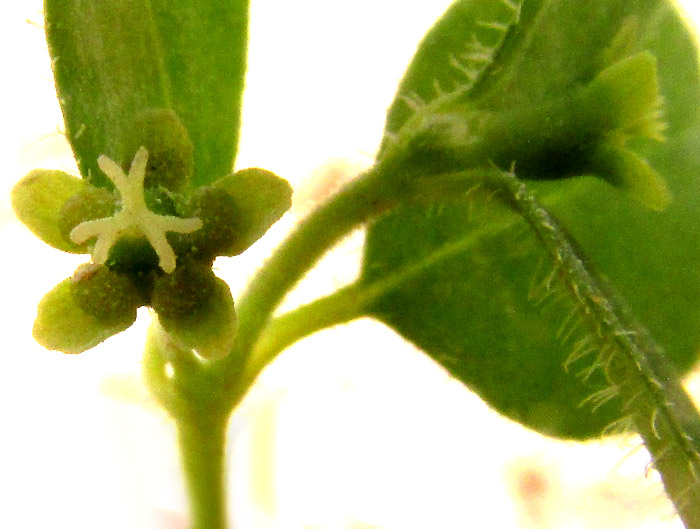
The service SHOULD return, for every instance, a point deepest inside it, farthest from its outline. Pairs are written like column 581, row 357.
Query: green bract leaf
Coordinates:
column 62, row 324
column 209, row 329
column 38, row 200
column 114, row 60
column 480, row 298
column 109, row 66
column 564, row 134
column 260, row 198
column 205, row 45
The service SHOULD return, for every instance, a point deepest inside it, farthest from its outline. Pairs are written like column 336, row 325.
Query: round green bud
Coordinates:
column 104, row 294
column 170, row 150
column 185, row 292
column 89, row 204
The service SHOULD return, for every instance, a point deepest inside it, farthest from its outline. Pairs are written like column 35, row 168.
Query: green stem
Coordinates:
column 217, row 387
column 635, row 366
column 202, row 442
column 342, row 306
column 185, row 388
column 365, row 198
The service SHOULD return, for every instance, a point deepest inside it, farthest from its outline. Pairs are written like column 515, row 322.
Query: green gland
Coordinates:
column 261, row 198
column 201, row 319
column 221, row 226
column 629, row 171
column 62, row 324
column 170, row 150
column 86, row 309
column 38, row 201
column 235, row 211
column 625, row 99
column 109, row 296
column 185, row 292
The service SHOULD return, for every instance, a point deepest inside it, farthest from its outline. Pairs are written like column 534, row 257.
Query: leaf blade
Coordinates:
column 447, row 63
column 472, row 312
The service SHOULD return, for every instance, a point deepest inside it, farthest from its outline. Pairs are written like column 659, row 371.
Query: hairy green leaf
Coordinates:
column 456, row 56
column 485, row 305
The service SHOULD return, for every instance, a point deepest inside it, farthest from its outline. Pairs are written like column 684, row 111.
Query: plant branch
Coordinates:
column 365, row 199
column 353, row 301
column 634, row 364
column 342, row 306
column 155, row 366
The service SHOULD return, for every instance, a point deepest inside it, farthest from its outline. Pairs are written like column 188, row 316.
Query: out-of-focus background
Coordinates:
column 351, row 428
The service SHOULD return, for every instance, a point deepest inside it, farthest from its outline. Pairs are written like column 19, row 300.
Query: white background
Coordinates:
column 351, row 428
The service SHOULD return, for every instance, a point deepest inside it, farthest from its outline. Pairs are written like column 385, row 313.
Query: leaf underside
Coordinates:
column 493, row 313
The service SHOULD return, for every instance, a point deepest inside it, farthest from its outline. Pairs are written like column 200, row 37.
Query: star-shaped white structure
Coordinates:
column 134, row 218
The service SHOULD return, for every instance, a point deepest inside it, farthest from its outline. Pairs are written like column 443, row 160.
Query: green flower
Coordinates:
column 153, row 241
column 134, row 217
column 586, row 131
